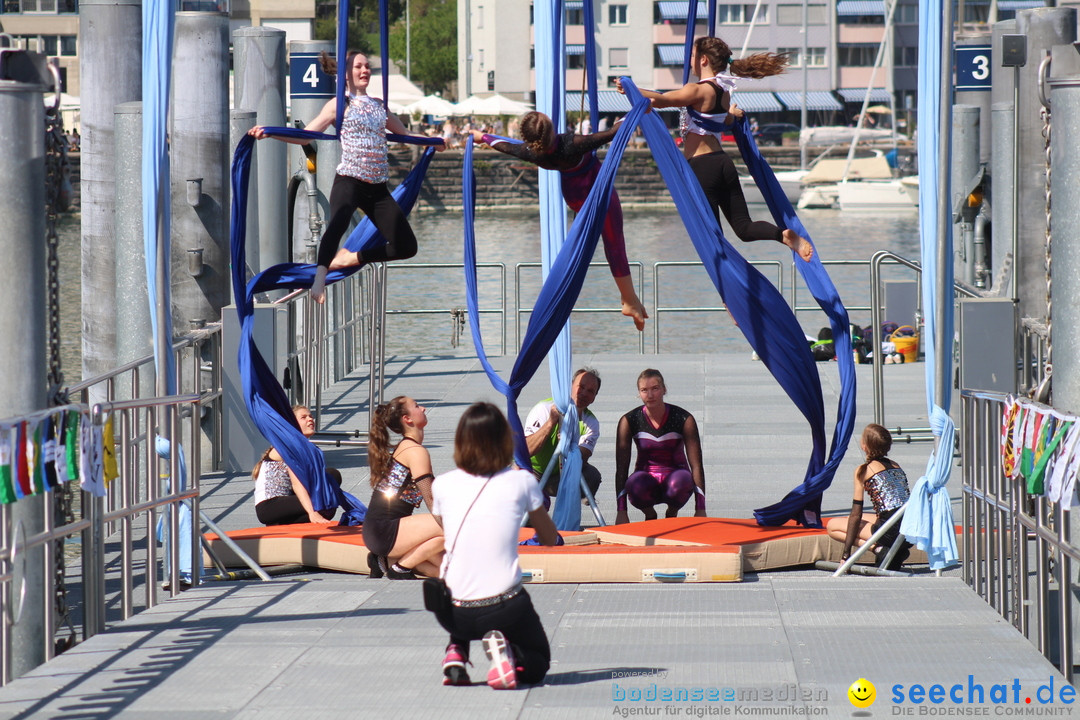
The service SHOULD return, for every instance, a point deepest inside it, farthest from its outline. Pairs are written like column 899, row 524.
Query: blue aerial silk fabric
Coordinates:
column 158, row 21
column 550, row 75
column 267, row 402
column 928, row 520
column 762, row 314
column 560, row 289
column 807, row 496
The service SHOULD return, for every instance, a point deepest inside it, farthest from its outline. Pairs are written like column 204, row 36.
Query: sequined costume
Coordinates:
column 575, row 159
column 661, row 473
column 394, row 497
column 275, row 501
column 361, row 183
column 888, row 491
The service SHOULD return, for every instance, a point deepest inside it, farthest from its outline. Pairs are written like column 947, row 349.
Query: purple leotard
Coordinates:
column 575, row 159
column 662, row 473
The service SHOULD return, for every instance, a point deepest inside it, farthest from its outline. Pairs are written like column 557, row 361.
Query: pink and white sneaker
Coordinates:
column 453, row 667
column 502, row 675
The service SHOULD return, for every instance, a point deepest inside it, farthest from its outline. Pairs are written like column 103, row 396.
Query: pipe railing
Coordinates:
column 1017, row 549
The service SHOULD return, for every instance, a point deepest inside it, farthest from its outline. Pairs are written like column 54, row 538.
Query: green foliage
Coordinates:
column 433, row 36
column 363, row 22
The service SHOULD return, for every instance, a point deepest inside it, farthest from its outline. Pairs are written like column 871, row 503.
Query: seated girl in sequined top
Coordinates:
column 887, row 486
column 280, row 497
column 401, row 544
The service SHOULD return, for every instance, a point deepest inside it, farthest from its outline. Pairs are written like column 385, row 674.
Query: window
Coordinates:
column 49, row 45
column 857, row 55
column 616, row 14
column 742, row 14
column 618, row 57
column 480, row 56
column 792, row 15
column 794, row 55
column 906, row 56
column 906, row 14
column 479, row 17
column 815, row 56
column 575, row 16
column 611, row 80
column 532, row 58
column 575, row 62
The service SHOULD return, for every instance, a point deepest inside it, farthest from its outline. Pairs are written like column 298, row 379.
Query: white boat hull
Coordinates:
column 874, row 195
column 790, row 181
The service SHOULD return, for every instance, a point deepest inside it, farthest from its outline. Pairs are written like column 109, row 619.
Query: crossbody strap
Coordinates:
column 450, row 555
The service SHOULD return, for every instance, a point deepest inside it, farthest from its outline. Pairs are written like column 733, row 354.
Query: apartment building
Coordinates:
column 644, row 39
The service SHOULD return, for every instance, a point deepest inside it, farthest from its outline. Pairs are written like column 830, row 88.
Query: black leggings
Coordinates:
column 720, row 181
column 346, row 195
column 287, row 510
column 517, row 620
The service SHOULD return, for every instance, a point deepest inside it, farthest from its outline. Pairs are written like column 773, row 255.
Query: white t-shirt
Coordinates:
column 484, row 561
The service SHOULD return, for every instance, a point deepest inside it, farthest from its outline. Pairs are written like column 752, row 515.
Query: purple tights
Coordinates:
column 648, row 488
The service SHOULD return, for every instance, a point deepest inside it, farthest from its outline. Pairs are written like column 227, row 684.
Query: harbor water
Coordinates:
column 512, row 237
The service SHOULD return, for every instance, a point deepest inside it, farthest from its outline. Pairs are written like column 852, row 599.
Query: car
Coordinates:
column 773, row 133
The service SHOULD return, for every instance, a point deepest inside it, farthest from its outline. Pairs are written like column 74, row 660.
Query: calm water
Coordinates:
column 513, row 237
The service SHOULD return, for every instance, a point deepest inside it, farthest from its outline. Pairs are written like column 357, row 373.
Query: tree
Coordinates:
column 363, row 22
column 433, row 35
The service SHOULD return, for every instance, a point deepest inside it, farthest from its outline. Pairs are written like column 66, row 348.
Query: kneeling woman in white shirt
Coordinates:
column 481, row 505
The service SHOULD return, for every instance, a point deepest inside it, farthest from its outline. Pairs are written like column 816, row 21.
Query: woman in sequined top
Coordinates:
column 574, row 156
column 401, row 544
column 886, row 484
column 280, row 497
column 361, row 177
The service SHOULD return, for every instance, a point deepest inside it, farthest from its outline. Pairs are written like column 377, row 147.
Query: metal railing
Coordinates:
column 1017, row 550
column 520, row 311
column 660, row 309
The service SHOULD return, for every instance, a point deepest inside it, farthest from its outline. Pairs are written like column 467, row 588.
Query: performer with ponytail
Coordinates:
column 574, row 156
column 669, row 469
column 887, row 486
column 709, row 104
column 401, row 544
column 361, row 177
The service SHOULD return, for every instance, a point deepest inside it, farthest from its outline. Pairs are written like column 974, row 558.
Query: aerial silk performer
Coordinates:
column 266, row 401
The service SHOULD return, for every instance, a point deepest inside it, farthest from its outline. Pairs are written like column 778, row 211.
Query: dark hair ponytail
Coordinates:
column 387, row 417
column 758, row 65
column 878, row 441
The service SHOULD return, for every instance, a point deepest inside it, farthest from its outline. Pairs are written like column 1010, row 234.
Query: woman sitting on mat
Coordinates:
column 360, row 182
column 669, row 468
column 481, row 504
column 887, row 486
column 574, row 156
column 280, row 497
column 708, row 103
column 400, row 544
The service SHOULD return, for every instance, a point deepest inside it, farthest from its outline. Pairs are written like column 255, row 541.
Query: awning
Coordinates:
column 677, row 10
column 573, row 5
column 1020, row 4
column 608, row 101
column 575, row 49
column 671, row 54
column 757, row 102
column 815, row 100
column 877, row 95
column 860, row 7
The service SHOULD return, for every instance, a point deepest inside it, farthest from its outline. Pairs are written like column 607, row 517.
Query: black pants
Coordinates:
column 592, row 477
column 720, row 181
column 348, row 194
column 517, row 620
column 287, row 510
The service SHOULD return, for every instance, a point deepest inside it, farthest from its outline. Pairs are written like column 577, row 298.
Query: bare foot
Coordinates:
column 798, row 244
column 637, row 311
column 345, row 258
column 318, row 287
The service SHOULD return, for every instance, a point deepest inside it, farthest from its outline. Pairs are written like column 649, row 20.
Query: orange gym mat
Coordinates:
column 664, row 550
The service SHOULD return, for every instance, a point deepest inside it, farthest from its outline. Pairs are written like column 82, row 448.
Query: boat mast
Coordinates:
column 889, row 12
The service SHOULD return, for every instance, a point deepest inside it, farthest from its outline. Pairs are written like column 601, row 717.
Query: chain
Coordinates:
column 1046, row 130
column 57, row 199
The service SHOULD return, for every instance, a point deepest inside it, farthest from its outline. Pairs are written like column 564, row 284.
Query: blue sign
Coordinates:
column 307, row 79
column 973, row 67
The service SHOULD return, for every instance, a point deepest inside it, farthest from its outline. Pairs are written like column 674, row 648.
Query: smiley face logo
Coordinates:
column 862, row 693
